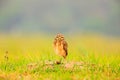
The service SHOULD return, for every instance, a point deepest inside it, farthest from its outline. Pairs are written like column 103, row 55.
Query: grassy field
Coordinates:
column 91, row 57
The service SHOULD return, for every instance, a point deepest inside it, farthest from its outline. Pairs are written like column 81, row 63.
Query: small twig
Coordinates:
column 6, row 56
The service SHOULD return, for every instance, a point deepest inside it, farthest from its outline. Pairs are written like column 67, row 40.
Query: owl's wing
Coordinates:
column 65, row 46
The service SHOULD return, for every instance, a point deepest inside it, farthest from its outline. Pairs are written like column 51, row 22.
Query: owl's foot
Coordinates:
column 57, row 62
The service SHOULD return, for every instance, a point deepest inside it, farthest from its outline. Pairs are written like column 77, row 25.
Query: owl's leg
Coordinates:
column 61, row 60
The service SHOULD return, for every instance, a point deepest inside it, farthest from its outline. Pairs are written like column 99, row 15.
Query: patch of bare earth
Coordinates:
column 51, row 64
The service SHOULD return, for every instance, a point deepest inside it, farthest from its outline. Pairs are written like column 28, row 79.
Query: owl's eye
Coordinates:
column 62, row 37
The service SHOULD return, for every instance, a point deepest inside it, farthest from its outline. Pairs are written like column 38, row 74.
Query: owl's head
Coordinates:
column 59, row 37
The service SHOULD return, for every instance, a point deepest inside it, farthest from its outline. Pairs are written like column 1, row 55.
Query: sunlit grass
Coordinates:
column 100, row 56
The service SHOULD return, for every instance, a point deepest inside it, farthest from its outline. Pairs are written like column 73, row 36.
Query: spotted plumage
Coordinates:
column 60, row 45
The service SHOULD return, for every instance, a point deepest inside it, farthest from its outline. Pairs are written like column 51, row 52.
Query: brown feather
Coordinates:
column 60, row 45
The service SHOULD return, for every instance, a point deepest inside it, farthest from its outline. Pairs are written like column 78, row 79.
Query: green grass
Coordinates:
column 100, row 59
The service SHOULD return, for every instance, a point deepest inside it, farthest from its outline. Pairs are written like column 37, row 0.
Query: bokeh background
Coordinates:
column 60, row 16
column 91, row 29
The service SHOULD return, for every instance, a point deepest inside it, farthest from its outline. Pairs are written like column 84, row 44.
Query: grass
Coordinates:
column 99, row 55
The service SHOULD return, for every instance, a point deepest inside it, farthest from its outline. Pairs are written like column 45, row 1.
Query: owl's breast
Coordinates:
column 58, row 49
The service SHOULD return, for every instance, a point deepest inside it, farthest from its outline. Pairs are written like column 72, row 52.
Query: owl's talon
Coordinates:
column 57, row 62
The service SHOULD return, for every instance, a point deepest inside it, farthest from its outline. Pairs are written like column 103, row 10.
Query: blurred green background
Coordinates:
column 91, row 28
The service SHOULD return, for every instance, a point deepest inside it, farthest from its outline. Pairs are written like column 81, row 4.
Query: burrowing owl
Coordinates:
column 60, row 45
